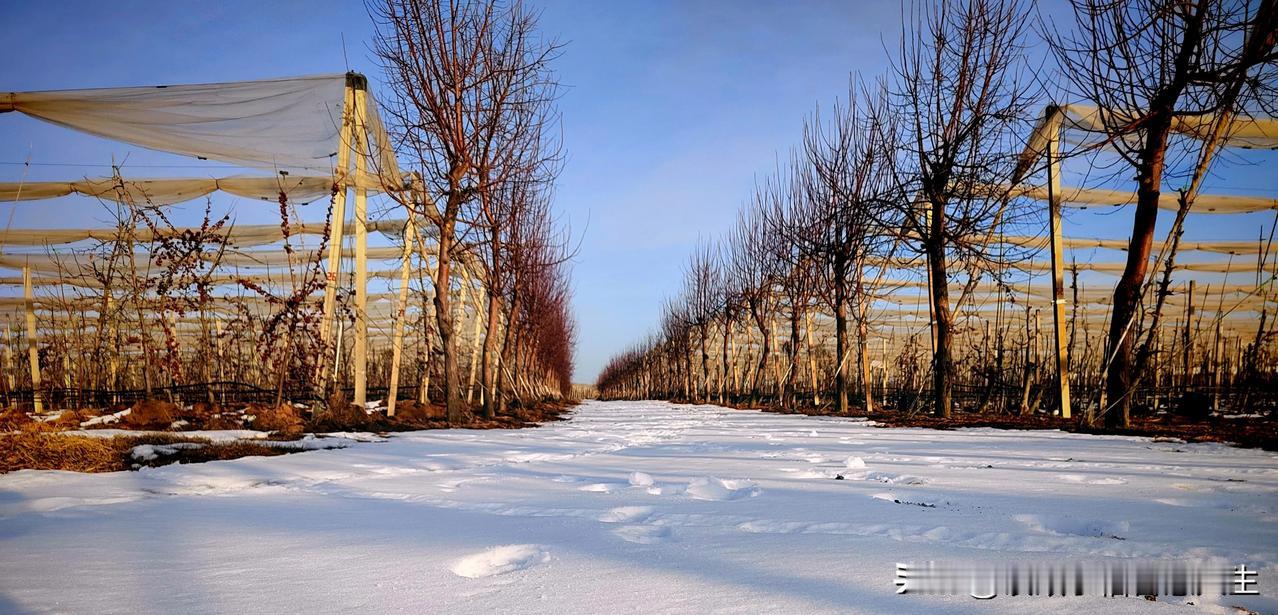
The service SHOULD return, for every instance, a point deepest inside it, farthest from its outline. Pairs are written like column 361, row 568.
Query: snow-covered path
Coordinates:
column 629, row 507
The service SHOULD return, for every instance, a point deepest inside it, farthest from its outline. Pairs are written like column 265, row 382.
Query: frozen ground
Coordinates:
column 631, row 507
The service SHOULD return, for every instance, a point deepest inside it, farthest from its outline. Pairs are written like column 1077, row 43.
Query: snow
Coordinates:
column 107, row 419
column 148, row 452
column 631, row 507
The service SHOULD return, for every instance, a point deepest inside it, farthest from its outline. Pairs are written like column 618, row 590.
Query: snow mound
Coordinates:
column 854, row 463
column 500, row 560
column 640, row 479
column 719, row 490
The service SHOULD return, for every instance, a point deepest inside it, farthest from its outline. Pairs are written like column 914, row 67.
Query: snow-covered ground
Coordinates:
column 631, row 507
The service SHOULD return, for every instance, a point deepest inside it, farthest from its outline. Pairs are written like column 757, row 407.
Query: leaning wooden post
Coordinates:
column 401, row 311
column 33, row 339
column 338, row 218
column 358, row 143
column 1058, row 261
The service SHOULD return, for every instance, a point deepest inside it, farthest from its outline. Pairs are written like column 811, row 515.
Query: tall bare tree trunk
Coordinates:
column 941, row 310
column 444, row 322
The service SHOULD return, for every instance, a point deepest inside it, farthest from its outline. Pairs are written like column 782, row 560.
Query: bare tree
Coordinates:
column 963, row 103
column 1150, row 67
column 754, row 273
column 850, row 187
column 703, row 299
column 461, row 75
column 792, row 237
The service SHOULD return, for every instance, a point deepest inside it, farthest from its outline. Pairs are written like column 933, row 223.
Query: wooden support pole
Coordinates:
column 883, row 370
column 1188, row 339
column 401, row 311
column 863, row 348
column 812, row 366
column 33, row 339
column 221, row 358
column 11, row 379
column 1058, row 269
column 423, row 391
column 359, row 143
column 931, row 301
column 469, row 290
column 336, row 231
column 776, row 366
column 1217, row 365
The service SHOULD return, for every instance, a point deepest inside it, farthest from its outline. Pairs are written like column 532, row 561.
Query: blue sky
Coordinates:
column 671, row 110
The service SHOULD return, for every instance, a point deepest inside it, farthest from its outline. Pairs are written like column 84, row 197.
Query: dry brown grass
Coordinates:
column 283, row 418
column 221, row 451
column 151, row 414
column 53, row 451
column 12, row 419
column 46, row 450
column 42, row 445
column 409, row 411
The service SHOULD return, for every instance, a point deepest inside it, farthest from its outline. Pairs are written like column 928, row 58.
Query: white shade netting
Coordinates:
column 1083, row 198
column 284, row 124
column 1216, row 247
column 297, row 189
column 1244, row 132
column 237, row 235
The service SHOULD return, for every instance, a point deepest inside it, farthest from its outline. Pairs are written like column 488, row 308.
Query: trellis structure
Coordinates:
column 899, row 313
column 320, row 136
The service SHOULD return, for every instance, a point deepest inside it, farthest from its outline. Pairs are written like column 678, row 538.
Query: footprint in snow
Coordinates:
column 500, row 560
column 888, row 478
column 888, row 497
column 1070, row 526
column 1084, row 479
column 718, row 490
column 626, row 514
column 643, row 534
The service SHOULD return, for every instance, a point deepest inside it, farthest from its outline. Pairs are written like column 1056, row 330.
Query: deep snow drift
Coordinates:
column 631, row 506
